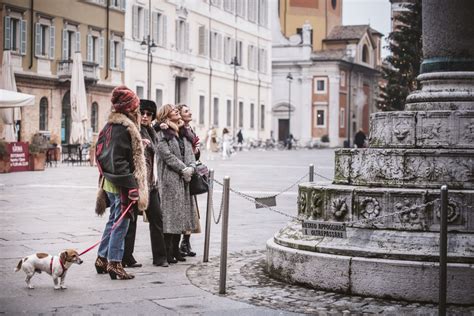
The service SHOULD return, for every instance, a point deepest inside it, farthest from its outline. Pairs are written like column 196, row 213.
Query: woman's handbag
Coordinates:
column 199, row 180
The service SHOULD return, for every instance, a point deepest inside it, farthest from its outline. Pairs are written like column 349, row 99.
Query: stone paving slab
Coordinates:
column 247, row 281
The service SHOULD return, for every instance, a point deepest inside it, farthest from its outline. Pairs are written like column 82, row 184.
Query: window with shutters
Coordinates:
column 159, row 97
column 95, row 48
column 14, row 33
column 262, row 12
column 71, row 41
column 252, row 115
column 229, row 5
column 182, row 36
column 262, row 60
column 216, row 46
column 252, row 57
column 43, row 117
column 241, row 6
column 229, row 113
column 45, row 38
column 229, row 49
column 140, row 22
column 140, row 92
column 95, row 117
column 238, row 51
column 215, row 120
column 117, row 54
column 159, row 26
column 203, row 41
column 241, row 114
column 201, row 109
column 252, row 10
column 262, row 116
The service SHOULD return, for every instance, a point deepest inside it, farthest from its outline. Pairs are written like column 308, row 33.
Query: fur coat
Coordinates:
column 120, row 158
column 176, row 201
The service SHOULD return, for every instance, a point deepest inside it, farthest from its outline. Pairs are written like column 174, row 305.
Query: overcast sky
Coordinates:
column 373, row 12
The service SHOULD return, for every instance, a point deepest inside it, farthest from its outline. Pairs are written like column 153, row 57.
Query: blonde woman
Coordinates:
column 176, row 165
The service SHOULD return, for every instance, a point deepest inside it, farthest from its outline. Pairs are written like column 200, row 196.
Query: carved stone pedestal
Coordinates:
column 388, row 194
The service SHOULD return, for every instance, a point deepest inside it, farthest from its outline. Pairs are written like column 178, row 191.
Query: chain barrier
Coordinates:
column 282, row 191
column 212, row 206
column 321, row 176
column 252, row 200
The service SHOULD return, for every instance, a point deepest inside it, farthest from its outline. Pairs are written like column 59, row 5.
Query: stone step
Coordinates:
column 414, row 168
column 427, row 129
column 385, row 208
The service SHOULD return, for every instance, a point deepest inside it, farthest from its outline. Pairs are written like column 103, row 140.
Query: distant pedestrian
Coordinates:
column 121, row 162
column 176, row 164
column 211, row 143
column 240, row 139
column 289, row 142
column 360, row 138
column 226, row 143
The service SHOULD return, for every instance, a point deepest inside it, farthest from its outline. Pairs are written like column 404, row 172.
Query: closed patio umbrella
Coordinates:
column 11, row 114
column 78, row 103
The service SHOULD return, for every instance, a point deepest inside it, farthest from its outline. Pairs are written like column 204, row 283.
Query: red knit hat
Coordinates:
column 124, row 100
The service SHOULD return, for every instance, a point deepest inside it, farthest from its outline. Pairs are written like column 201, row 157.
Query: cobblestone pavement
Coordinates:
column 248, row 282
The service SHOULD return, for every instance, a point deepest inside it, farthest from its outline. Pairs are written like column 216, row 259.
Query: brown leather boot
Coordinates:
column 116, row 270
column 101, row 265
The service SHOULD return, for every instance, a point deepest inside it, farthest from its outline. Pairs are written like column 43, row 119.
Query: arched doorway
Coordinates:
column 66, row 118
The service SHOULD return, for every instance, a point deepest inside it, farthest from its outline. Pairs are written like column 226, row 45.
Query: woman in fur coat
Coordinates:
column 121, row 162
column 176, row 165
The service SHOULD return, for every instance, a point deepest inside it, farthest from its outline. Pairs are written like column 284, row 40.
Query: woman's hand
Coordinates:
column 146, row 142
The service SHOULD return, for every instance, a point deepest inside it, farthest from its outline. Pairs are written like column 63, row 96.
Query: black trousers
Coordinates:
column 155, row 219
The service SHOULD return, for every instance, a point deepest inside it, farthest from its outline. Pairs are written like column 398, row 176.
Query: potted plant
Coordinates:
column 38, row 149
column 4, row 157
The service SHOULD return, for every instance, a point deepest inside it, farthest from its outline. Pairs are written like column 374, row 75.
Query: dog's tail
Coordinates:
column 18, row 266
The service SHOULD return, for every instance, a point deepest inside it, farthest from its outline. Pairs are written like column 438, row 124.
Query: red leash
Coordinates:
column 113, row 227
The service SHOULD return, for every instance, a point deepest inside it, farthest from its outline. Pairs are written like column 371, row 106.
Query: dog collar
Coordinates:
column 62, row 266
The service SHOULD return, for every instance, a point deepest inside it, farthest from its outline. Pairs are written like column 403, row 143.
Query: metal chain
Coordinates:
column 369, row 220
column 321, row 176
column 284, row 190
column 211, row 187
column 252, row 200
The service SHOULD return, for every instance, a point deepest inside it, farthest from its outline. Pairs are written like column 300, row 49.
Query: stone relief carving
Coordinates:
column 302, row 202
column 369, row 208
column 401, row 130
column 435, row 129
column 469, row 131
column 316, row 203
column 413, row 214
column 339, row 208
column 342, row 170
column 453, row 210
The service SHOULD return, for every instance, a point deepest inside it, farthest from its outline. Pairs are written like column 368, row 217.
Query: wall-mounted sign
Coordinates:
column 324, row 229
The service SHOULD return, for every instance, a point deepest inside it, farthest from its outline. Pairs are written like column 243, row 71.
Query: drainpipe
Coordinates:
column 31, row 32
column 107, row 42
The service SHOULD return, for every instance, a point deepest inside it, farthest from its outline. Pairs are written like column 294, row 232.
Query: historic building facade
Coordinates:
column 193, row 61
column 42, row 37
column 325, row 75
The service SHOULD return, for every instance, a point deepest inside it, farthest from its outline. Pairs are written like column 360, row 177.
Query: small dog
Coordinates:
column 57, row 266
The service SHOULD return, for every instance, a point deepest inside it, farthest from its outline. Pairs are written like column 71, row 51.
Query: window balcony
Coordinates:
column 91, row 73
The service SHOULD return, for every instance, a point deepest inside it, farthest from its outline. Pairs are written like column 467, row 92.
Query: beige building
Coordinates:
column 334, row 70
column 42, row 37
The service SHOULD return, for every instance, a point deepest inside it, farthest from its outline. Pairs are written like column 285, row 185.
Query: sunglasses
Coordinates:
column 146, row 113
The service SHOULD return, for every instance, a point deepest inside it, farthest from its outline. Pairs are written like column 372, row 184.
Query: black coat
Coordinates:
column 114, row 156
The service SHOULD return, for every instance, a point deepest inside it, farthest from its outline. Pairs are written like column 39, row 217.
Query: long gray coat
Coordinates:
column 176, row 201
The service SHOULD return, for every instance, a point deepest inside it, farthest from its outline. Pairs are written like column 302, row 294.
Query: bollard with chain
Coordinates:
column 225, row 226
column 207, row 234
column 443, row 251
column 311, row 173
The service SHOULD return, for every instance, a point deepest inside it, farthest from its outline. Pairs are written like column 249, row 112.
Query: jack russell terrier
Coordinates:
column 56, row 266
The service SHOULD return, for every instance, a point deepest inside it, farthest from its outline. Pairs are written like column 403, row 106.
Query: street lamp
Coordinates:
column 289, row 77
column 235, row 62
column 149, row 44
